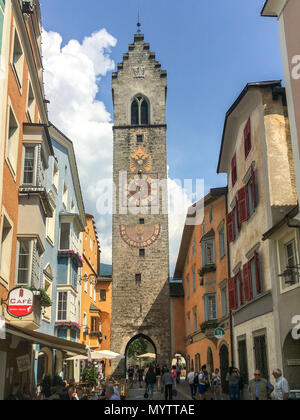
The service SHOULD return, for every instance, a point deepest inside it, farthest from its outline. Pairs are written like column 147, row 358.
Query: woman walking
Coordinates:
column 233, row 378
column 216, row 385
column 150, row 381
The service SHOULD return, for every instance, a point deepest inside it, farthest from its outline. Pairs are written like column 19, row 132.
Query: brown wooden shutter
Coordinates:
column 253, row 180
column 247, row 282
column 257, row 272
column 233, row 170
column 232, row 294
column 247, row 138
column 230, row 227
column 241, row 286
column 242, row 205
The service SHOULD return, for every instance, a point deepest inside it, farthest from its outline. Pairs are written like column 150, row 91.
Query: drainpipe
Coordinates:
column 230, row 312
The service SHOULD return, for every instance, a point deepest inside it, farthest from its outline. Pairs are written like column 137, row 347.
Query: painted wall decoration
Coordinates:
column 140, row 161
column 140, row 236
column 142, row 191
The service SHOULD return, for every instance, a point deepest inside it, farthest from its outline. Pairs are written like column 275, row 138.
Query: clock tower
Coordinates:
column 140, row 300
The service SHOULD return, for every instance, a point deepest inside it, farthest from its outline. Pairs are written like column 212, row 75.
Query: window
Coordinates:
column 233, row 171
column 291, row 262
column 18, row 59
column 12, row 141
column 29, row 165
column 62, row 306
column 91, row 290
column 30, row 103
column 139, row 111
column 236, row 221
column 138, row 278
column 195, row 319
column 222, row 244
column 73, row 305
column 252, row 280
column 55, row 176
column 239, row 289
column 142, row 252
column 189, row 323
column 85, row 283
column 142, row 221
column 247, row 138
column 84, row 321
column 95, row 325
column 5, row 250
column 224, row 301
column 102, row 295
column 24, row 262
column 210, row 305
column 194, row 277
column 188, row 286
column 194, row 246
column 211, row 215
column 50, row 226
column 65, row 197
column 48, row 290
column 203, row 227
column 65, row 236
column 290, row 254
column 208, row 253
column 139, row 139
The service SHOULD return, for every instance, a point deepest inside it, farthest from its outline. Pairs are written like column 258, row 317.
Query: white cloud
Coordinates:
column 72, row 80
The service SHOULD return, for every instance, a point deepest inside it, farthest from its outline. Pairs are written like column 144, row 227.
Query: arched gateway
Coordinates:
column 140, row 248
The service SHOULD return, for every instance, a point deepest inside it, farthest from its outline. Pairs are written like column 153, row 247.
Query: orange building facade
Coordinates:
column 199, row 292
column 95, row 293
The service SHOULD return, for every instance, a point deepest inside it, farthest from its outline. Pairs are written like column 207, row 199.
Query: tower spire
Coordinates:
column 139, row 23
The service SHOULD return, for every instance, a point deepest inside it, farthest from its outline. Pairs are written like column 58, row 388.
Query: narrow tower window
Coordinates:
column 140, row 111
column 144, row 113
column 135, row 113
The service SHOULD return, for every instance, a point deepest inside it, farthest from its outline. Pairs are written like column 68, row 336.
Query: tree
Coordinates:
column 136, row 348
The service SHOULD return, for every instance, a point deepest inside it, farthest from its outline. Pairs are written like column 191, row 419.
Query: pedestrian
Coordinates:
column 168, row 382
column 135, row 375
column 150, row 381
column 140, row 375
column 130, row 375
column 174, row 374
column 111, row 393
column 203, row 383
column 163, row 371
column 15, row 394
column 158, row 378
column 193, row 381
column 282, row 389
column 216, row 385
column 178, row 373
column 70, row 394
column 233, row 379
column 260, row 389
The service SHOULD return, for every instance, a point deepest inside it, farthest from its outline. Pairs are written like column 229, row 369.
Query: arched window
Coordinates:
column 135, row 113
column 140, row 111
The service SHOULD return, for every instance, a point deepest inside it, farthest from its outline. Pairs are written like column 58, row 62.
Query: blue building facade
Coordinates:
column 62, row 259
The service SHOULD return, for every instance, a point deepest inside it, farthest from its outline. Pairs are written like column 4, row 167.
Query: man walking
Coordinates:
column 168, row 382
column 193, row 381
column 260, row 389
column 282, row 389
column 203, row 383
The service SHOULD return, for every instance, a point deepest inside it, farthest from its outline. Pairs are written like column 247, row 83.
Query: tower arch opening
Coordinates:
column 140, row 351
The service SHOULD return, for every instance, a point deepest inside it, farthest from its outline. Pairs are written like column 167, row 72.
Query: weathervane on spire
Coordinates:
column 139, row 23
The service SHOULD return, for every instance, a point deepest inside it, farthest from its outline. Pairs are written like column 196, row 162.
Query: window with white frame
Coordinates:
column 224, row 301
column 62, row 304
column 30, row 103
column 210, row 306
column 24, row 261
column 5, row 250
column 291, row 263
column 189, row 323
column 91, row 290
column 12, row 141
column 73, row 305
column 65, row 236
column 17, row 60
column 85, row 283
column 55, row 175
column 29, row 165
column 222, row 245
column 208, row 252
column 195, row 319
column 50, row 226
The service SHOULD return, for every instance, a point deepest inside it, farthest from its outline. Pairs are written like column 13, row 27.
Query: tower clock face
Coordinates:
column 142, row 190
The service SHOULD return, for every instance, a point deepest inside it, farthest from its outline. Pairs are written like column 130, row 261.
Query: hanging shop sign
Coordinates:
column 219, row 333
column 23, row 363
column 20, row 302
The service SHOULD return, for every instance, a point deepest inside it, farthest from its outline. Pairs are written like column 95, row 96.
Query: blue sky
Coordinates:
column 210, row 48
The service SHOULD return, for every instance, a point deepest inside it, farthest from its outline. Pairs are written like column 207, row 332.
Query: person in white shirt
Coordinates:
column 193, row 383
column 282, row 389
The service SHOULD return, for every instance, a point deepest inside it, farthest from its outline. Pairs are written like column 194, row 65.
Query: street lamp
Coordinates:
column 290, row 275
column 92, row 278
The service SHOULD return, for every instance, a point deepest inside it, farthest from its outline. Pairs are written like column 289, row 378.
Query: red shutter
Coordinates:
column 253, row 179
column 233, row 170
column 241, row 286
column 257, row 271
column 230, row 227
column 242, row 205
column 232, row 294
column 247, row 282
column 247, row 138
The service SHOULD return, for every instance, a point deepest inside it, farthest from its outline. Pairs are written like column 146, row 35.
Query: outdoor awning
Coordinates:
column 47, row 340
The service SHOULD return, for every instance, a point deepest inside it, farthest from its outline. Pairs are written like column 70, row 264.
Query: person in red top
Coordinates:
column 174, row 374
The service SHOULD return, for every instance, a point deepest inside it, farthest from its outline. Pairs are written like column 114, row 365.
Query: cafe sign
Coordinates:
column 219, row 333
column 20, row 302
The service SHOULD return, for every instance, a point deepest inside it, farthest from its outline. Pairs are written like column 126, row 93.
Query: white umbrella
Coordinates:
column 81, row 357
column 147, row 356
column 106, row 354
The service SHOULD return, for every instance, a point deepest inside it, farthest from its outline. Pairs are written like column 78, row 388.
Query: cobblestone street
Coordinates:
column 137, row 393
